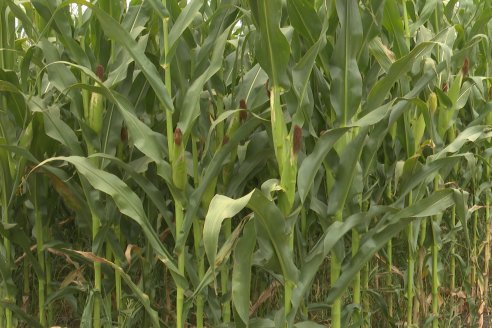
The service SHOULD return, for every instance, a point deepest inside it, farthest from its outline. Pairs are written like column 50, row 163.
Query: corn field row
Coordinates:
column 245, row 163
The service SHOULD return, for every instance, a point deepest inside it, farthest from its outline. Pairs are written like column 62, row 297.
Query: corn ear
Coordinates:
column 96, row 112
column 289, row 172
column 279, row 131
column 446, row 114
column 432, row 103
column 96, row 107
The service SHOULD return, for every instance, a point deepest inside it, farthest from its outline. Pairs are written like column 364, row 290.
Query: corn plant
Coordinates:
column 281, row 163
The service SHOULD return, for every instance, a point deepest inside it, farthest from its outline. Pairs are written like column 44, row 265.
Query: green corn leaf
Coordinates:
column 116, row 32
column 271, row 46
column 56, row 128
column 426, row 174
column 300, row 80
column 220, row 209
column 27, row 318
column 312, row 163
column 213, row 169
column 380, row 90
column 424, row 15
column 154, row 194
column 191, row 104
column 146, row 140
column 393, row 23
column 345, row 174
column 137, row 292
column 182, row 23
column 267, row 215
column 241, row 272
column 160, row 8
column 126, row 200
column 435, row 204
column 325, row 244
column 304, row 19
column 346, row 87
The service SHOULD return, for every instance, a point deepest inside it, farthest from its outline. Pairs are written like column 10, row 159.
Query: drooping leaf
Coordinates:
column 126, row 200
column 267, row 215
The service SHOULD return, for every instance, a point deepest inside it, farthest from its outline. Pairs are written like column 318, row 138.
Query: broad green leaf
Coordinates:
column 267, row 215
column 380, row 90
column 470, row 134
column 154, row 194
column 393, row 23
column 126, row 200
column 272, row 221
column 220, row 209
column 345, row 174
column 425, row 14
column 182, row 23
column 432, row 205
column 460, row 200
column 116, row 32
column 191, row 104
column 60, row 76
column 346, row 85
column 160, row 8
column 311, row 164
column 323, row 247
column 305, row 20
column 58, row 17
column 300, row 80
column 271, row 47
column 212, row 171
column 426, row 174
column 241, row 271
column 147, row 141
column 56, row 128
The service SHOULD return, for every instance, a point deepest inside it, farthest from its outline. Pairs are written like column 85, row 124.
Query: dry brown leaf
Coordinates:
column 128, row 252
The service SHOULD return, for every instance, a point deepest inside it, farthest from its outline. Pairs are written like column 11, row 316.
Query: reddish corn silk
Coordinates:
column 178, row 136
column 243, row 114
column 100, row 72
column 225, row 140
column 123, row 134
column 466, row 67
column 445, row 87
column 297, row 139
column 267, row 89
